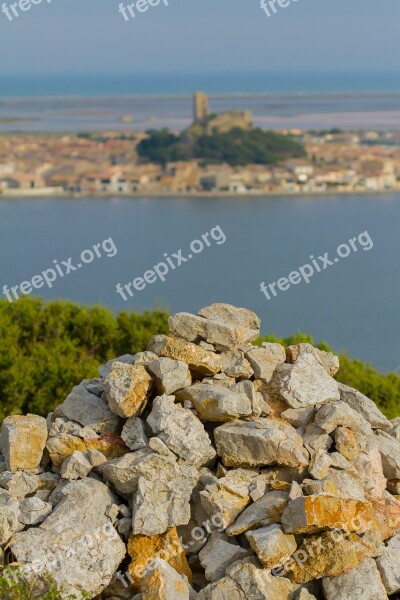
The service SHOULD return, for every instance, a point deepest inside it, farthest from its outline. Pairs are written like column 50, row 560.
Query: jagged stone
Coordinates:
column 76, row 544
column 9, row 517
column 144, row 358
column 299, row 417
column 88, row 410
column 220, row 552
column 310, row 514
column 22, row 441
column 329, row 361
column 264, row 360
column 199, row 360
column 33, row 511
column 215, row 402
column 61, row 447
column 127, row 359
column 319, row 464
column 261, row 442
column 305, row 383
column 272, row 546
column 259, row 408
column 134, row 435
column 366, row 407
column 76, row 466
column 96, row 457
column 181, row 431
column 362, row 582
column 346, row 443
column 94, row 386
column 234, row 364
column 19, row 484
column 126, row 389
column 315, row 439
column 162, row 582
column 389, row 565
column 389, row 449
column 263, row 512
column 144, row 549
column 222, row 334
column 340, row 414
column 218, row 501
column 170, row 375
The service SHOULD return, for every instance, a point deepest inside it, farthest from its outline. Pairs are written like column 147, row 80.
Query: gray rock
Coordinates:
column 33, row 511
column 161, row 581
column 272, row 546
column 340, row 414
column 88, row 410
column 215, row 402
column 127, row 359
column 299, row 417
column 22, row 441
column 134, row 435
column 181, row 431
column 261, row 513
column 305, row 383
column 315, row 438
column 94, row 386
column 144, row 358
column 220, row 552
column 260, row 442
column 319, row 464
column 123, row 473
column 264, row 360
column 223, row 335
column 232, row 315
column 259, row 408
column 19, row 484
column 76, row 466
column 362, row 582
column 389, row 449
column 76, row 545
column 329, row 361
column 96, row 458
column 234, row 364
column 9, row 517
column 170, row 375
column 199, row 360
column 127, row 389
column 366, row 407
column 389, row 565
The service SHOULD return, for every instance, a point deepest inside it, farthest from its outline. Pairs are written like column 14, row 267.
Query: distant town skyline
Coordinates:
column 91, row 36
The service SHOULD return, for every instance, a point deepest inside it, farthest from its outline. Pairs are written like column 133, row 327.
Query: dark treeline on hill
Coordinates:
column 47, row 348
column 235, row 147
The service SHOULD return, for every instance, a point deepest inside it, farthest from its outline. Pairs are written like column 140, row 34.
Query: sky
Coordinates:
column 91, row 36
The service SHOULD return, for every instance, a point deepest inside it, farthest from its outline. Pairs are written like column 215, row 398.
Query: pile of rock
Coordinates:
column 208, row 468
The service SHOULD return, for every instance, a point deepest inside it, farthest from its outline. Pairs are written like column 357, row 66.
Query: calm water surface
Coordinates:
column 354, row 304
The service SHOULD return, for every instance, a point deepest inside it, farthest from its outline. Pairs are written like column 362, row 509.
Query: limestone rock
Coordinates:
column 9, row 517
column 329, row 361
column 305, row 383
column 144, row 358
column 76, row 545
column 61, row 447
column 234, row 364
column 181, row 431
column 76, row 466
column 126, row 389
column 96, row 458
column 346, row 443
column 264, row 360
column 143, row 550
column 19, row 484
column 220, row 552
column 127, row 359
column 389, row 565
column 362, row 582
column 134, row 435
column 340, row 414
column 259, row 408
column 263, row 512
column 88, row 410
column 310, row 514
column 299, row 417
column 170, row 375
column 33, row 511
column 366, row 407
column 22, row 441
column 218, row 501
column 222, row 334
column 215, row 402
column 316, row 439
column 260, row 442
column 272, row 546
column 162, row 582
column 231, row 315
column 389, row 449
column 199, row 360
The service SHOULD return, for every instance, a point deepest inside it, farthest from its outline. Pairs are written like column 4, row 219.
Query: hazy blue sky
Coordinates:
column 90, row 35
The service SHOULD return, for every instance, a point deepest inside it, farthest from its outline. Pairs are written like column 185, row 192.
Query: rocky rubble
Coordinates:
column 208, row 468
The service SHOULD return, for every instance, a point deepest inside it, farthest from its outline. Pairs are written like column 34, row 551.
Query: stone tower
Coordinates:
column 200, row 106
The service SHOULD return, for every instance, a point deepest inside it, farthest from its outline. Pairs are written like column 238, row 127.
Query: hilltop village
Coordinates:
column 199, row 160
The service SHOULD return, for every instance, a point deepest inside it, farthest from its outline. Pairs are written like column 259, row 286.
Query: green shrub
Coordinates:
column 14, row 587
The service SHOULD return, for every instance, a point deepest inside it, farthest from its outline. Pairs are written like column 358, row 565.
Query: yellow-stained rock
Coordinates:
column 61, row 447
column 309, row 514
column 386, row 515
column 199, row 360
column 144, row 549
column 22, row 441
column 127, row 388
